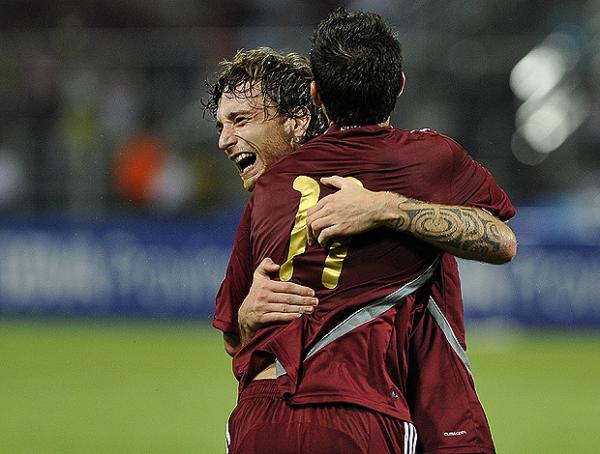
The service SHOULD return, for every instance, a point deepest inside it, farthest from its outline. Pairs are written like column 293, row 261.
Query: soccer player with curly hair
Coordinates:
column 351, row 360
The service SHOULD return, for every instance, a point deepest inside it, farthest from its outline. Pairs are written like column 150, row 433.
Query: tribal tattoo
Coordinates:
column 467, row 229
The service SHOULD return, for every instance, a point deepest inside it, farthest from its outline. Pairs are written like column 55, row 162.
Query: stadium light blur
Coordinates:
column 542, row 69
column 546, row 129
column 547, row 124
column 553, row 107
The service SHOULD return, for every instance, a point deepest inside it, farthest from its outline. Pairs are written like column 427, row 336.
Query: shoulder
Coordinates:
column 303, row 157
column 432, row 137
column 430, row 145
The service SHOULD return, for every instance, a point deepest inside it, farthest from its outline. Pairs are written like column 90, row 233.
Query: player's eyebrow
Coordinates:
column 234, row 113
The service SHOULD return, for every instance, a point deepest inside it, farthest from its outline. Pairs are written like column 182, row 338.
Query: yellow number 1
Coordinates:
column 309, row 195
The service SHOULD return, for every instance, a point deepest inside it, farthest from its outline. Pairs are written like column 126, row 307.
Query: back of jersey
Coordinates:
column 367, row 266
column 347, row 275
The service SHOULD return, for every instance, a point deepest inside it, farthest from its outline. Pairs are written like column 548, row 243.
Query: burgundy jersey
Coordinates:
column 366, row 366
column 440, row 390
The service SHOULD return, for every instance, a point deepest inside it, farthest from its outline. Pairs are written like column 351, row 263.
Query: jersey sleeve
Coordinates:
column 238, row 279
column 473, row 185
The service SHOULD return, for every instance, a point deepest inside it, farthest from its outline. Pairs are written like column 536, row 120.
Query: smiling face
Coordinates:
column 253, row 138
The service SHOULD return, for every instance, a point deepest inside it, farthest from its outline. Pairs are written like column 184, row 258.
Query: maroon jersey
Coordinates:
column 440, row 391
column 366, row 366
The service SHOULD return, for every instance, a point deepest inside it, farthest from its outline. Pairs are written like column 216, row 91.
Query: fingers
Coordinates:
column 334, row 181
column 276, row 317
column 291, row 309
column 317, row 232
column 293, row 301
column 267, row 266
column 287, row 310
column 318, row 206
column 284, row 303
column 310, row 235
column 289, row 288
column 327, row 234
column 314, row 219
column 327, row 228
column 311, row 232
column 274, row 301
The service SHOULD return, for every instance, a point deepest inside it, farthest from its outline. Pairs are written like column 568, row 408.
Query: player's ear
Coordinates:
column 402, row 83
column 296, row 125
column 315, row 95
column 300, row 122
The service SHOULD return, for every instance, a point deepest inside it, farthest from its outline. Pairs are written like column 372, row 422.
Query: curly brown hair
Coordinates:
column 283, row 79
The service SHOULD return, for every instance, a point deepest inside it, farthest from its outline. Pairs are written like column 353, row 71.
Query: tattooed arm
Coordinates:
column 466, row 232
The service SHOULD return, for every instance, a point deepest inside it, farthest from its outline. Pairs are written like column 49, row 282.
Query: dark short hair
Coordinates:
column 284, row 82
column 356, row 60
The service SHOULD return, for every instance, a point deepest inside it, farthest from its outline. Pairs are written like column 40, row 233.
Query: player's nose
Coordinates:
column 226, row 138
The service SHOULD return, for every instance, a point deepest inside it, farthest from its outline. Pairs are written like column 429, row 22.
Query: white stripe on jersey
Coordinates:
column 410, row 438
column 414, row 445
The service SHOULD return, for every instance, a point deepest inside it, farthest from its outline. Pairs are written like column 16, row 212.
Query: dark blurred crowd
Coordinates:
column 100, row 101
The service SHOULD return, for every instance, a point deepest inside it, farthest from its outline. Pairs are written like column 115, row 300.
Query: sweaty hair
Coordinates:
column 283, row 79
column 356, row 60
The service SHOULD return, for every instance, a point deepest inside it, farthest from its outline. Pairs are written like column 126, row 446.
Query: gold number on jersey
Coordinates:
column 309, row 195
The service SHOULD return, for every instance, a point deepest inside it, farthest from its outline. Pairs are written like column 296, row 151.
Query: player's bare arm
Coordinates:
column 269, row 301
column 466, row 232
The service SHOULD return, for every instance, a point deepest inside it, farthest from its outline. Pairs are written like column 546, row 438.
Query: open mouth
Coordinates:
column 244, row 160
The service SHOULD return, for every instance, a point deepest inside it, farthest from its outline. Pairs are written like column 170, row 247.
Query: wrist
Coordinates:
column 391, row 211
column 245, row 335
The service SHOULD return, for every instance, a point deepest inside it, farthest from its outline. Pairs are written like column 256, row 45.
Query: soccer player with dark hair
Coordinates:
column 364, row 287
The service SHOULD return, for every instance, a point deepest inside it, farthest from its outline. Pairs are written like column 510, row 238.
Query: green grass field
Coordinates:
column 72, row 386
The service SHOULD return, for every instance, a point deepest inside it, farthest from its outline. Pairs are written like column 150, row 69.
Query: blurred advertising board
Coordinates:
column 544, row 285
column 150, row 267
column 113, row 267
column 555, row 277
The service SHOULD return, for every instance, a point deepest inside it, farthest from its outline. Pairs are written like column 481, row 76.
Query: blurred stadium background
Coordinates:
column 118, row 211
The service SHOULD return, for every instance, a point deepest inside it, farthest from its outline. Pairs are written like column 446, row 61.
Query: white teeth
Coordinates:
column 238, row 158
